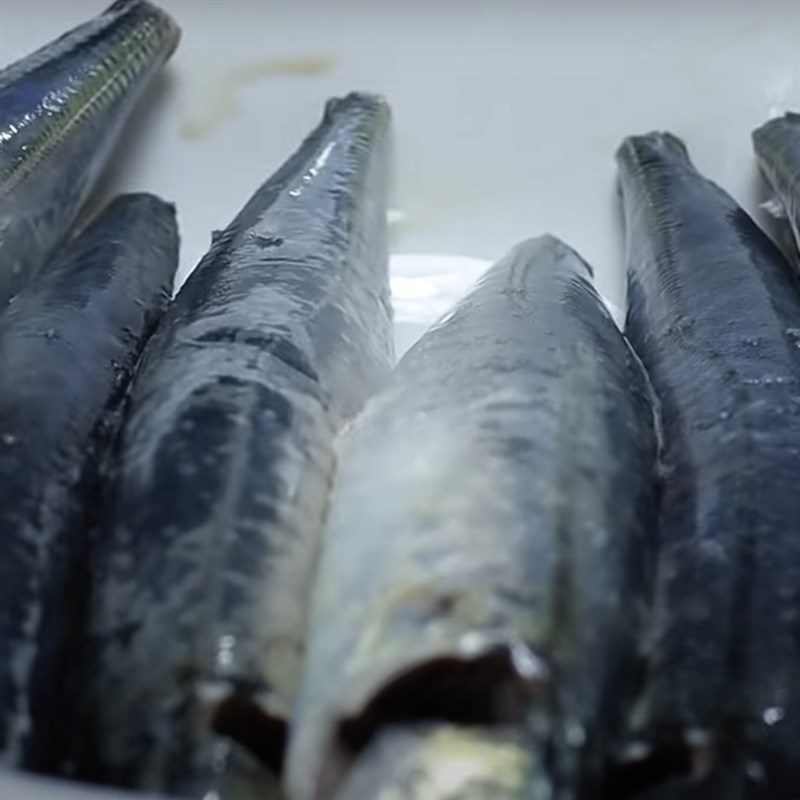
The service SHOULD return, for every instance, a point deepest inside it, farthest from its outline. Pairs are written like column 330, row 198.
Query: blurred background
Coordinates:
column 507, row 113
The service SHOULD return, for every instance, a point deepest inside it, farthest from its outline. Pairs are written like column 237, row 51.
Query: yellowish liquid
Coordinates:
column 218, row 99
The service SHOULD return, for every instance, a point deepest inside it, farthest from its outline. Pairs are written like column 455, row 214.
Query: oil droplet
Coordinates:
column 768, row 380
column 9, row 439
column 773, row 715
column 526, row 663
column 395, row 216
column 211, row 693
column 774, row 208
column 635, row 751
column 225, row 651
column 472, row 643
column 697, row 737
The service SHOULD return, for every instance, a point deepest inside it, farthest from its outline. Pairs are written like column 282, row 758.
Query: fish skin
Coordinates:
column 68, row 345
column 225, row 463
column 466, row 487
column 738, row 779
column 443, row 762
column 777, row 146
column 62, row 109
column 714, row 313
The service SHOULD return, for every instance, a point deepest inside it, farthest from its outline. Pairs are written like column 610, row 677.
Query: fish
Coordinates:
column 62, row 110
column 69, row 344
column 738, row 779
column 485, row 559
column 777, row 146
column 714, row 314
column 224, row 466
column 442, row 762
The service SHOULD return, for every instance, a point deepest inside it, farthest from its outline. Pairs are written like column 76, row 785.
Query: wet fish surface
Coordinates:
column 62, row 109
column 486, row 552
column 68, row 345
column 777, row 146
column 225, row 463
column 441, row 762
column 714, row 313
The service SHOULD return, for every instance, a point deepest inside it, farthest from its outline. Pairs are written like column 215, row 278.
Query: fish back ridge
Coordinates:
column 359, row 111
column 663, row 184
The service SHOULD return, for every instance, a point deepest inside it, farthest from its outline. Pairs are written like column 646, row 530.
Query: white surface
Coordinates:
column 507, row 115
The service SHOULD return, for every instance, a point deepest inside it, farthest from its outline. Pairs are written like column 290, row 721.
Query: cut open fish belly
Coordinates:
column 487, row 550
column 777, row 146
column 714, row 313
column 68, row 345
column 225, row 463
column 62, row 109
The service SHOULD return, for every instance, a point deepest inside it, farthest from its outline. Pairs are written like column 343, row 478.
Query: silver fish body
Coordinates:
column 714, row 313
column 225, row 463
column 68, row 346
column 486, row 552
column 777, row 146
column 62, row 109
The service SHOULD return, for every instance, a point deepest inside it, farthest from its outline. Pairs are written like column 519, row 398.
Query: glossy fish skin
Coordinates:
column 68, row 345
column 714, row 313
column 777, row 146
column 501, row 490
column 226, row 460
column 62, row 109
column 442, row 762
